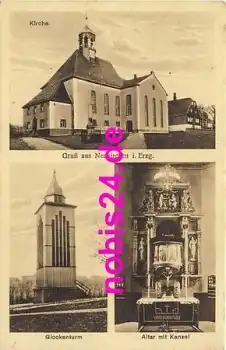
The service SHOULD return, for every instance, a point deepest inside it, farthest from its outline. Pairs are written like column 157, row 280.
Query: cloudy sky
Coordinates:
column 80, row 185
column 178, row 46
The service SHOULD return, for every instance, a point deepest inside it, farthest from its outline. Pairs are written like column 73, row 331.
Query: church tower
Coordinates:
column 87, row 39
column 56, row 271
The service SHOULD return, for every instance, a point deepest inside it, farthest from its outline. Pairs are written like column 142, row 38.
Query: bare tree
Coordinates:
column 208, row 115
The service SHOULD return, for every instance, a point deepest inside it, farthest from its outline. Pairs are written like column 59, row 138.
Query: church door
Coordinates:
column 129, row 126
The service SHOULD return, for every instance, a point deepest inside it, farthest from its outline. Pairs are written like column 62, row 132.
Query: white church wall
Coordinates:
column 57, row 112
column 151, row 88
column 83, row 108
column 133, row 117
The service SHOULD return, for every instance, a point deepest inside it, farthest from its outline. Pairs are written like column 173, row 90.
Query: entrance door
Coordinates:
column 129, row 126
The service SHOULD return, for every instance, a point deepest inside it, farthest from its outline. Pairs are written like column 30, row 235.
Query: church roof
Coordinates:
column 87, row 29
column 179, row 106
column 54, row 188
column 100, row 72
column 51, row 92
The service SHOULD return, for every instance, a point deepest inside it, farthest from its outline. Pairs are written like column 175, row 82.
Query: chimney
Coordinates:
column 174, row 96
column 135, row 76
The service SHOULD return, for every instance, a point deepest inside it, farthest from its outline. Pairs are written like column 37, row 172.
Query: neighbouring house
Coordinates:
column 184, row 114
column 87, row 89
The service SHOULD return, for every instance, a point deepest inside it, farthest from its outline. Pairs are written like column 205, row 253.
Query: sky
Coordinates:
column 80, row 188
column 178, row 46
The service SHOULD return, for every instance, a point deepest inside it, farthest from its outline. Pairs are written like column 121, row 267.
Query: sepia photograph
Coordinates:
column 169, row 249
column 56, row 275
column 73, row 74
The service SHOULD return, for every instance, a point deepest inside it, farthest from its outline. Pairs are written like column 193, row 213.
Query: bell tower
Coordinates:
column 56, row 271
column 87, row 40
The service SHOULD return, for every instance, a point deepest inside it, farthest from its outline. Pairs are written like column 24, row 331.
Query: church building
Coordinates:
column 86, row 90
column 56, row 252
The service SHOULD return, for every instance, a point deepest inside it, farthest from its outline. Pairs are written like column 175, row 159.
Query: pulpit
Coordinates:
column 166, row 252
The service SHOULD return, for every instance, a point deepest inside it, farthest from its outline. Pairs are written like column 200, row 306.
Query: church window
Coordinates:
column 128, row 105
column 68, row 244
column 34, row 110
column 161, row 112
column 42, row 107
column 64, row 241
column 154, row 112
column 86, row 41
column 40, row 244
column 28, row 111
column 60, row 239
column 42, row 123
column 53, row 244
column 106, row 104
column 57, row 241
column 117, row 106
column 63, row 123
column 146, row 110
column 118, row 124
column 93, row 102
column 106, row 123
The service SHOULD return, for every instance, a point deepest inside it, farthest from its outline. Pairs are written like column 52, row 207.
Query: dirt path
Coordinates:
column 134, row 141
column 43, row 144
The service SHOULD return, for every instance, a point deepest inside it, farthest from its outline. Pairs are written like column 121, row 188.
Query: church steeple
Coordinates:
column 87, row 40
column 54, row 192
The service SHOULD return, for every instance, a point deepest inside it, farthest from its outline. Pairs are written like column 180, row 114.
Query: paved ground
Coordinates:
column 60, row 312
column 135, row 141
column 43, row 144
column 205, row 326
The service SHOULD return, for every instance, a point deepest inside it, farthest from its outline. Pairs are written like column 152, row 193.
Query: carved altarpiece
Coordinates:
column 167, row 236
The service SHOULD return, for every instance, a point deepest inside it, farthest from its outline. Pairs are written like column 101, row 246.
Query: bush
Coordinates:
column 19, row 131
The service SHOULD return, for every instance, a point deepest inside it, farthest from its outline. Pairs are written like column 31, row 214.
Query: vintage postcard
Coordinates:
column 117, row 238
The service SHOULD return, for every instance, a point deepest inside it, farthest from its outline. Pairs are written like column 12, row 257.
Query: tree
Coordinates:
column 207, row 114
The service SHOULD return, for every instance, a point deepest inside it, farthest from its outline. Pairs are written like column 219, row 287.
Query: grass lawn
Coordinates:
column 192, row 139
column 85, row 322
column 95, row 304
column 18, row 144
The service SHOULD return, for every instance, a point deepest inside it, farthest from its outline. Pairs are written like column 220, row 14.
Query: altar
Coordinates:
column 167, row 312
column 166, row 252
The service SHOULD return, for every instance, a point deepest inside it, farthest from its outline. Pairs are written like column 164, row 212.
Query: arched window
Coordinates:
column 154, row 112
column 86, row 41
column 106, row 104
column 146, row 110
column 128, row 105
column 161, row 113
column 117, row 106
column 40, row 244
column 93, row 102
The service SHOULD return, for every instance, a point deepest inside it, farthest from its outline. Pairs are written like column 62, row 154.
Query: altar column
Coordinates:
column 150, row 234
column 199, row 237
column 185, row 229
